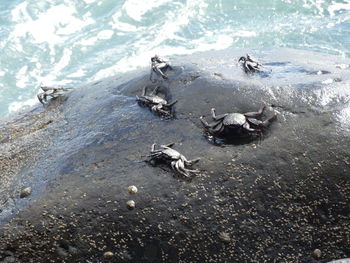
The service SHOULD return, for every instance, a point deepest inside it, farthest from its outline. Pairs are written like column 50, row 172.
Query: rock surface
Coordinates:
column 274, row 200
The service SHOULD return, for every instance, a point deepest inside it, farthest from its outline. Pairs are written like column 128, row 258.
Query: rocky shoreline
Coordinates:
column 274, row 200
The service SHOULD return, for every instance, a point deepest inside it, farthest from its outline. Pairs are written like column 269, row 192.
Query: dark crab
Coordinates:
column 236, row 125
column 156, row 103
column 50, row 92
column 177, row 161
column 158, row 65
column 249, row 65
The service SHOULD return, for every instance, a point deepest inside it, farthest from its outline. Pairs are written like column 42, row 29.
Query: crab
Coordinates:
column 156, row 103
column 177, row 161
column 237, row 125
column 249, row 65
column 51, row 92
column 158, row 65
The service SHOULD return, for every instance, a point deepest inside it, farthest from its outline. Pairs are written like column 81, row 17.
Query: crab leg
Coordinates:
column 217, row 117
column 185, row 170
column 42, row 98
column 218, row 128
column 191, row 162
column 141, row 100
column 168, row 145
column 156, row 151
column 158, row 108
column 181, row 168
column 207, row 125
column 45, row 88
column 150, row 76
column 153, row 147
column 154, row 155
column 144, row 91
column 247, row 127
column 251, row 60
column 264, row 123
column 155, row 91
column 173, row 165
column 255, row 114
column 157, row 68
column 170, row 104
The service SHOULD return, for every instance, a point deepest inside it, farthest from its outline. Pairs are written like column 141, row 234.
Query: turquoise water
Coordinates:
column 68, row 43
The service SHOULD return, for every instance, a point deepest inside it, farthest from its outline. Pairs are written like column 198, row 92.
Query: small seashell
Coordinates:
column 130, row 204
column 108, row 255
column 317, row 253
column 25, row 192
column 225, row 237
column 132, row 189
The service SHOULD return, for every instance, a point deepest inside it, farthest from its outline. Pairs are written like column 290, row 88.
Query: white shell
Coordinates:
column 108, row 255
column 132, row 189
column 317, row 253
column 26, row 192
column 130, row 204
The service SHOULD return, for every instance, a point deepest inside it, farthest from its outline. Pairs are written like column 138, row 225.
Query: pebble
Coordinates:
column 225, row 237
column 25, row 192
column 9, row 260
column 108, row 255
column 132, row 189
column 317, row 253
column 130, row 204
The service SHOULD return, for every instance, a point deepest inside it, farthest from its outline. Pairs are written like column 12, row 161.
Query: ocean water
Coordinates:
column 69, row 43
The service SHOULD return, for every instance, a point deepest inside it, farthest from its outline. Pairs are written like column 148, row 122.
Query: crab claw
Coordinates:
column 241, row 59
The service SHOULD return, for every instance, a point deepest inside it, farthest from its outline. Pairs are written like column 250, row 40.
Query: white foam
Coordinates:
column 64, row 61
column 105, row 34
column 344, row 117
column 17, row 105
column 52, row 26
column 89, row 1
column 217, row 42
column 244, row 33
column 142, row 58
column 334, row 7
column 77, row 74
column 343, row 66
column 121, row 26
column 22, row 77
column 136, row 8
column 88, row 41
column 327, row 81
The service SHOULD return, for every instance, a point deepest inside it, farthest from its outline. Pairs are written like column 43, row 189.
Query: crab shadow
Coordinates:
column 235, row 140
column 56, row 101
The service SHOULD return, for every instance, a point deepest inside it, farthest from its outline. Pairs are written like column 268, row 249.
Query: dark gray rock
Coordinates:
column 275, row 200
column 343, row 260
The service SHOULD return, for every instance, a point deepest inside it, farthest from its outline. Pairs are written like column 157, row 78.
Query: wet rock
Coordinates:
column 62, row 252
column 343, row 260
column 9, row 259
column 277, row 197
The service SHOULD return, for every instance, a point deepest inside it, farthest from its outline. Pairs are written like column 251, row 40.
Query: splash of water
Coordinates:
column 68, row 43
